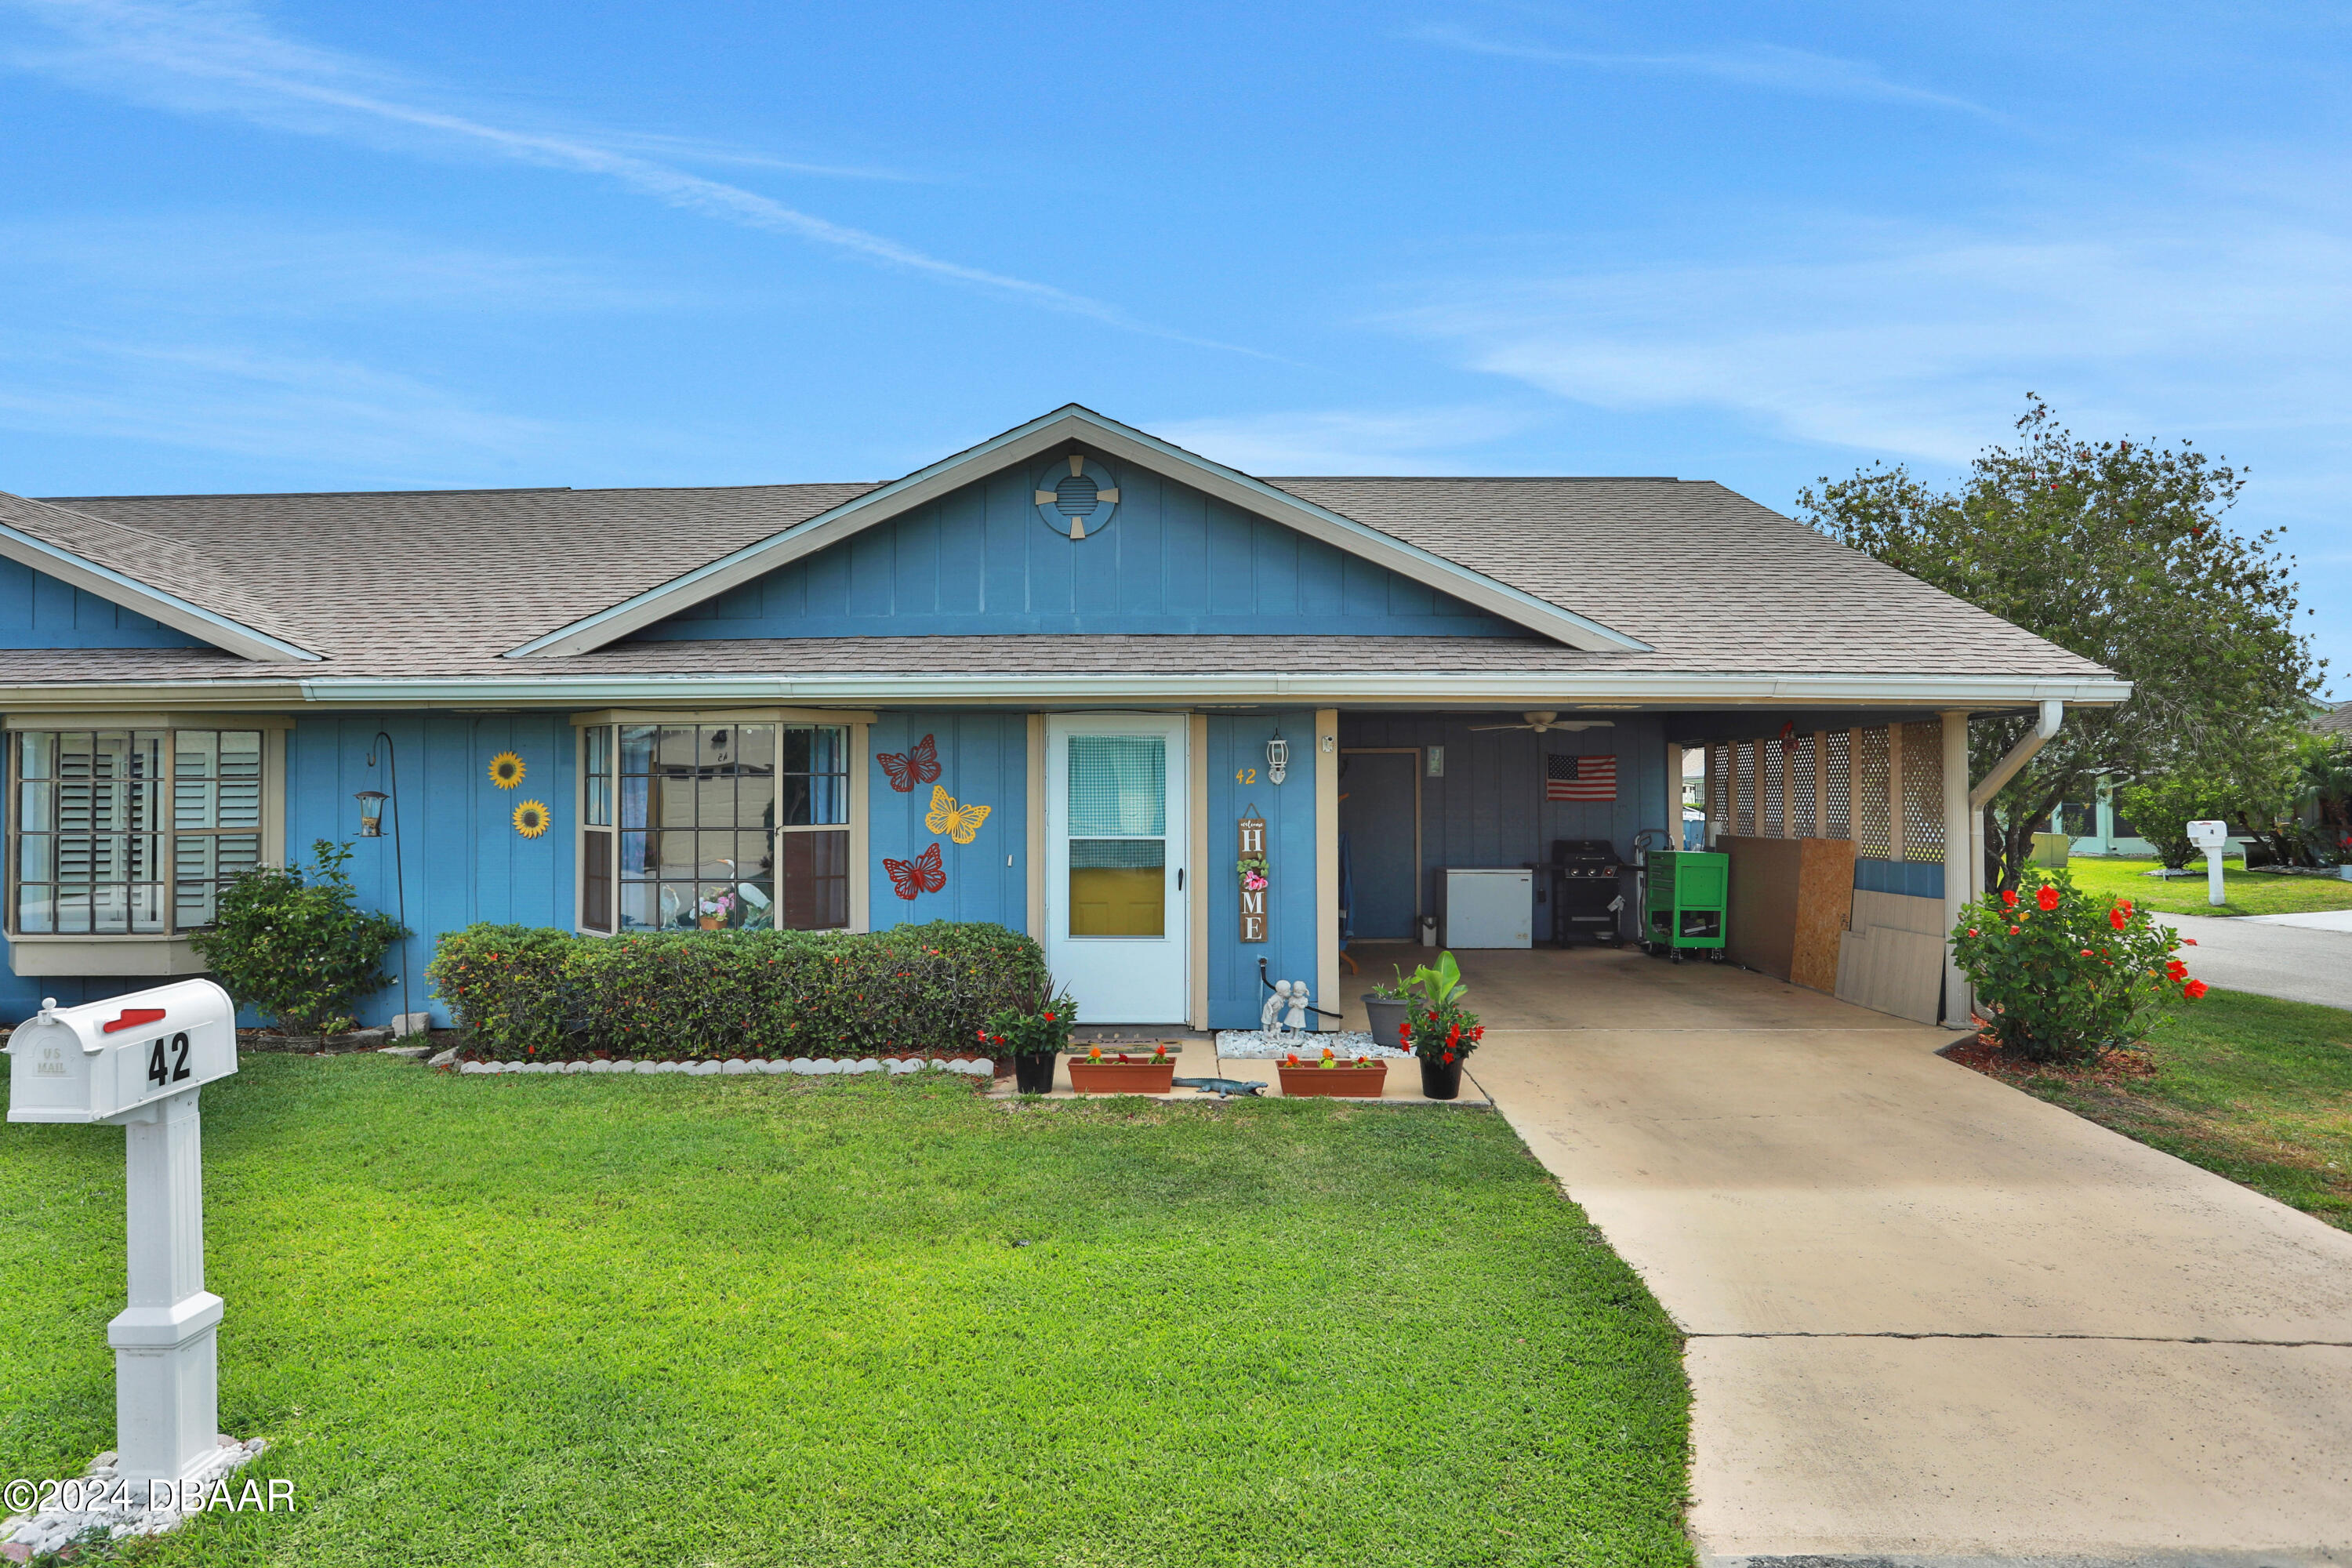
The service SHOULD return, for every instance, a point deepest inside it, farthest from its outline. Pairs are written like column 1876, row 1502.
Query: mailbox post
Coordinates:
column 139, row 1061
column 2212, row 837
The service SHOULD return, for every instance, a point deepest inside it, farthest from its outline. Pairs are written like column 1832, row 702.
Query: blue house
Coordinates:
column 1054, row 681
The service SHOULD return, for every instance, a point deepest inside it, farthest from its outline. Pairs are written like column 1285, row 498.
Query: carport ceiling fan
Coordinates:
column 1544, row 723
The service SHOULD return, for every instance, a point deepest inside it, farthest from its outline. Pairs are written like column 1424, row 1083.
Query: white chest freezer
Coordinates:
column 1490, row 908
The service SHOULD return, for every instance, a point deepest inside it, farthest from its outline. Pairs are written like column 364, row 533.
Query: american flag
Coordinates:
column 1580, row 778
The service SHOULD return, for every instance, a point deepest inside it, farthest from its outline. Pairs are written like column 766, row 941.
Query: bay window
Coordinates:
column 714, row 825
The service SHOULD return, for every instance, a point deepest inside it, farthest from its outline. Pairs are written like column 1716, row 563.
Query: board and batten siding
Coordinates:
column 464, row 861
column 1488, row 808
column 983, row 760
column 1237, row 745
column 37, row 610
column 980, row 562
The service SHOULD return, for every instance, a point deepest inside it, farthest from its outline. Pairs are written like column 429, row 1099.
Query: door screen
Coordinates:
column 1119, row 835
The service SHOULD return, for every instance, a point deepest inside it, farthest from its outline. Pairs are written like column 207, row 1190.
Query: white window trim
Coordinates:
column 133, row 954
column 611, row 719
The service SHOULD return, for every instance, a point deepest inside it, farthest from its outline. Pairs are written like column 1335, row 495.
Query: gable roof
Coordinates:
column 130, row 567
column 1051, row 434
column 419, row 597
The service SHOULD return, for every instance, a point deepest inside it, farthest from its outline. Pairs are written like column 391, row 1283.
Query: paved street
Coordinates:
column 2290, row 956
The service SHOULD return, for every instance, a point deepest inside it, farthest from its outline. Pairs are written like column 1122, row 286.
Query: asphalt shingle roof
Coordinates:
column 442, row 582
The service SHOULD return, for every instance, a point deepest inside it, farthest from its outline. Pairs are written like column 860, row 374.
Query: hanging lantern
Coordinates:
column 1278, row 758
column 371, row 812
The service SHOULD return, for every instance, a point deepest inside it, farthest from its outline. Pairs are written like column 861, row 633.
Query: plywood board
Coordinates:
column 1899, row 911
column 1760, row 925
column 1824, row 906
column 1891, row 971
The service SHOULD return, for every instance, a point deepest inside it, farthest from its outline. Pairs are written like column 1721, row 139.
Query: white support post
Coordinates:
column 1821, row 784
column 167, row 1357
column 1960, row 876
column 1673, row 820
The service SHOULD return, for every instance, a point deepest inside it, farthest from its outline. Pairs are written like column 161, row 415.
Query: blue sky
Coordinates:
column 329, row 247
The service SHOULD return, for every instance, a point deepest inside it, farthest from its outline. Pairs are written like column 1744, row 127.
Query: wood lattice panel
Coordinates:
column 1800, row 779
column 1837, row 820
column 1923, row 792
column 1871, row 821
column 1775, row 790
column 1743, row 757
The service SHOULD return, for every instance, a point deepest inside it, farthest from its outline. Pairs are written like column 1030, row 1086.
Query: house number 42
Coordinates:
column 160, row 1071
column 1246, row 775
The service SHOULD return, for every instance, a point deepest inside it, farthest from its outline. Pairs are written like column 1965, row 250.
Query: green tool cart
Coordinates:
column 1684, row 902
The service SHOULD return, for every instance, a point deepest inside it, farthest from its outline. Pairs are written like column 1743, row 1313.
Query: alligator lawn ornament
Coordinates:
column 1221, row 1085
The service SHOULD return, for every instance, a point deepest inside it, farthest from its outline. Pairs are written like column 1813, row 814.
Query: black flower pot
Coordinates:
column 1035, row 1074
column 1441, row 1081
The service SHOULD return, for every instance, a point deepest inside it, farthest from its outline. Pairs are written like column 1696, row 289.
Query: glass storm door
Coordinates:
column 1116, row 833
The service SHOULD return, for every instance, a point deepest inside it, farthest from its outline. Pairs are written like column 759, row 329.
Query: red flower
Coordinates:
column 2012, row 930
column 2189, row 942
column 2193, row 990
column 1449, row 1055
column 2047, row 897
column 1049, row 1018
column 2086, row 952
column 1972, row 931
column 2177, row 970
column 2125, row 905
column 2117, row 918
column 2009, row 897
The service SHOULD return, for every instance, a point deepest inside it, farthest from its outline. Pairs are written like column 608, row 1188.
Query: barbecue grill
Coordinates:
column 1585, row 885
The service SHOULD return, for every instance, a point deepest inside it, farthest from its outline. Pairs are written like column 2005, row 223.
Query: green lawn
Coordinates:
column 669, row 1321
column 2246, row 892
column 2256, row 1090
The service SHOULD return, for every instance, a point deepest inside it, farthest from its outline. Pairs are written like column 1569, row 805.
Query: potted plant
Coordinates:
column 1356, row 1078
column 1385, row 1006
column 1032, row 1033
column 1439, row 1030
column 1121, row 1073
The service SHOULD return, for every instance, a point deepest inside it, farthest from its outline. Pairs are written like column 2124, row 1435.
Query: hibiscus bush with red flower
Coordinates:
column 2059, row 976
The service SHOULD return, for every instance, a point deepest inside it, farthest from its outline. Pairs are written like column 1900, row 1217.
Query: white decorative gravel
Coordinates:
column 1256, row 1044
column 102, row 1500
column 973, row 1067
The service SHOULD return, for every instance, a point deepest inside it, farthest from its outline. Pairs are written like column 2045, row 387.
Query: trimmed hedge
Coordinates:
column 528, row 992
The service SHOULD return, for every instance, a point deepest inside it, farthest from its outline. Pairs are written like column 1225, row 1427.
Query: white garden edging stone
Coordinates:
column 970, row 1066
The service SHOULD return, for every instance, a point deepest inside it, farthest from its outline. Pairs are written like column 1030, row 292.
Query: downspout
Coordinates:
column 2053, row 714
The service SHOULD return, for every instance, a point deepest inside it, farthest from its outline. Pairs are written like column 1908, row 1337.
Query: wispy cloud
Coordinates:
column 1766, row 66
column 216, row 57
column 1346, row 441
column 346, row 418
column 1921, row 342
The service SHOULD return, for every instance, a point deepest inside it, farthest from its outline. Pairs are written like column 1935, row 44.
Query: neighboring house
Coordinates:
column 792, row 704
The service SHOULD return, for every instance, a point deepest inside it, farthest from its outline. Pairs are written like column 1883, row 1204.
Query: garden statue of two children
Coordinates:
column 1285, row 1011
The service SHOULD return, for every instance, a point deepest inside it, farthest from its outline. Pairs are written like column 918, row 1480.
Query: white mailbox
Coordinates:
column 94, row 1062
column 139, row 1060
column 2209, row 835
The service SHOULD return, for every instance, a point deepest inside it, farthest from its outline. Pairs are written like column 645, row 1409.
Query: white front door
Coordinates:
column 1116, row 882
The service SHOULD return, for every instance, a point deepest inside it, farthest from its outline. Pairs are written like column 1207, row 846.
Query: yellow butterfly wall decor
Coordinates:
column 958, row 821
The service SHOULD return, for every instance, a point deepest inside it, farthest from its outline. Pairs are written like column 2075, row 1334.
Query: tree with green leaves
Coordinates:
column 2114, row 550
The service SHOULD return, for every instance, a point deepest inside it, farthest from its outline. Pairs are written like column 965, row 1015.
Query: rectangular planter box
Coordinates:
column 1122, row 1078
column 1341, row 1083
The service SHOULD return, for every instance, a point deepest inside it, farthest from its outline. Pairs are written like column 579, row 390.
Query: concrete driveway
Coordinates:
column 2302, row 958
column 1929, row 1316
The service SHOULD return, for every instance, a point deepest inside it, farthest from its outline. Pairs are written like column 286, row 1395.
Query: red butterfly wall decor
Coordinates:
column 923, row 874
column 920, row 765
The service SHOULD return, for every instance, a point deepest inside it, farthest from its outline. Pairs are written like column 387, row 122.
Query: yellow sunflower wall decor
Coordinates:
column 506, row 770
column 530, row 818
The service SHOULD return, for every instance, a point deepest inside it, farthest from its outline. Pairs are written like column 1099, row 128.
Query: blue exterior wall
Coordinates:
column 983, row 760
column 979, row 561
column 37, row 610
column 1488, row 809
column 1237, row 743
column 463, row 860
